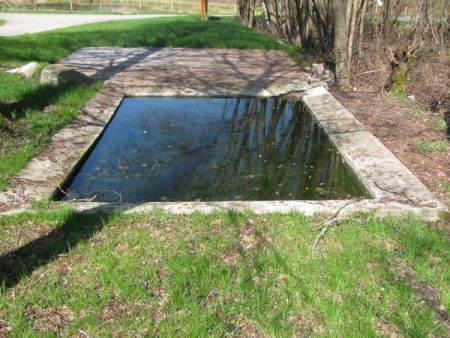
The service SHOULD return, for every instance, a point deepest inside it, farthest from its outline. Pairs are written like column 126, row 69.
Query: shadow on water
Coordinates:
column 76, row 228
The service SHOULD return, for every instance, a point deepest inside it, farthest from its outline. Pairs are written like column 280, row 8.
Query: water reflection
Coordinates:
column 188, row 149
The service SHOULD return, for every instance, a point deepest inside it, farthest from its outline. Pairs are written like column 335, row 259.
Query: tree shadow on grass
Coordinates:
column 76, row 229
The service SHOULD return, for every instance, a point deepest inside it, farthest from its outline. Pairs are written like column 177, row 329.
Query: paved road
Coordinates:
column 22, row 23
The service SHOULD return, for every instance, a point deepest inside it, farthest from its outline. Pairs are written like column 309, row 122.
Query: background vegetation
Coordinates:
column 367, row 44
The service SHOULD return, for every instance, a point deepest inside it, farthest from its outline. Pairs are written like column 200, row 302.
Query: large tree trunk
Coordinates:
column 341, row 55
column 247, row 12
column 332, row 27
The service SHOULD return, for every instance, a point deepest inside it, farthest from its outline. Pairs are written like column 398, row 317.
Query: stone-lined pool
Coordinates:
column 213, row 149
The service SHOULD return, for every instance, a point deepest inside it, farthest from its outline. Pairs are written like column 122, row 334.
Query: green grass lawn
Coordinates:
column 222, row 274
column 159, row 32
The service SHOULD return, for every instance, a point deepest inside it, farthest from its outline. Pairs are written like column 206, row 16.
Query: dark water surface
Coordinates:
column 213, row 149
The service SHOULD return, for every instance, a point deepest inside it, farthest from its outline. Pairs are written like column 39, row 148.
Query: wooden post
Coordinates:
column 204, row 9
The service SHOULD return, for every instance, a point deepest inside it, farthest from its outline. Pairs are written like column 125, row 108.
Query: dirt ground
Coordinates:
column 398, row 124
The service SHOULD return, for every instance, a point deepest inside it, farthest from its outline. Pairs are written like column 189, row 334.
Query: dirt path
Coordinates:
column 23, row 23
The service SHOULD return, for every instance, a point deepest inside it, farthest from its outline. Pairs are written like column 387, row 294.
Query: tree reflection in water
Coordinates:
column 187, row 149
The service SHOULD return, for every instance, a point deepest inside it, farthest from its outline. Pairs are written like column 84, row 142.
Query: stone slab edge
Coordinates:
column 395, row 189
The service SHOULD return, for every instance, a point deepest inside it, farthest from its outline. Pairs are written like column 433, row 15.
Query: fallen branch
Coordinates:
column 325, row 226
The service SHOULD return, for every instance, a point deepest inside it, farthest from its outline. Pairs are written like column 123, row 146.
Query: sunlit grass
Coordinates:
column 25, row 128
column 187, row 31
column 223, row 274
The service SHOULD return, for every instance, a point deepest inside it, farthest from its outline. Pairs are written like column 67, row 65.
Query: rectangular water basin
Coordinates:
column 213, row 149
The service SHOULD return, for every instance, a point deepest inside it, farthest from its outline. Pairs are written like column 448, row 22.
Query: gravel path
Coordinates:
column 22, row 23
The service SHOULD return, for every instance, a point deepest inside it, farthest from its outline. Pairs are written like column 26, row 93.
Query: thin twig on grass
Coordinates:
column 325, row 226
column 84, row 333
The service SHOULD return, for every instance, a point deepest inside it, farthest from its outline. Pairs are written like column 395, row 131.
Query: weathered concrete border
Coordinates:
column 395, row 189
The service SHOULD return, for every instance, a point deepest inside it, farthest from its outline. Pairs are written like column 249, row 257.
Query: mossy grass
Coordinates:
column 221, row 274
column 440, row 123
column 428, row 146
column 445, row 186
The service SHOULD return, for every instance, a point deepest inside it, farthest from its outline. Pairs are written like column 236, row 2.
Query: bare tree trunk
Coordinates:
column 266, row 15
column 361, row 30
column 251, row 16
column 351, row 30
column 247, row 12
column 341, row 57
